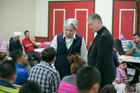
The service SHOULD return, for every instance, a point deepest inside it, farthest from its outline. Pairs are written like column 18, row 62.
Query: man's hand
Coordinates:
column 32, row 40
column 129, row 51
column 134, row 46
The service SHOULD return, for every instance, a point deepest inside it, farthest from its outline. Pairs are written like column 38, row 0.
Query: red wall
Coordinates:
column 61, row 11
column 123, row 19
column 41, row 39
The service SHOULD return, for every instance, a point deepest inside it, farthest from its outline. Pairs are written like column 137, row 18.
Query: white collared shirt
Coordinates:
column 69, row 41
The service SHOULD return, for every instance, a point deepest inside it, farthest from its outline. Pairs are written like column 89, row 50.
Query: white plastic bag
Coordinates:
column 121, row 88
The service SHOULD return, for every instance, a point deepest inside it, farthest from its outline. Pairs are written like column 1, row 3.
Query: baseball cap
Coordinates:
column 15, row 34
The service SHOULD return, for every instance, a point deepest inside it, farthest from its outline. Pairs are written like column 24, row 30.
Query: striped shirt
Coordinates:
column 45, row 76
column 6, row 87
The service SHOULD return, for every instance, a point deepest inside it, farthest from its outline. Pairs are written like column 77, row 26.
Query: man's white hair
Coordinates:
column 70, row 21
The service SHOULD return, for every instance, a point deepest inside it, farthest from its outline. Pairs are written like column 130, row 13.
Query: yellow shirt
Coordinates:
column 4, row 89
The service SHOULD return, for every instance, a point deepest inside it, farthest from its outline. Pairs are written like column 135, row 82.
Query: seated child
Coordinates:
column 121, row 83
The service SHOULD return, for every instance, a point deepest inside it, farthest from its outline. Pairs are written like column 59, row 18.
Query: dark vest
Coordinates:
column 62, row 64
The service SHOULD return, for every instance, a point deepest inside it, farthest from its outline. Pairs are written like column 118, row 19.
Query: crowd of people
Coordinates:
column 66, row 66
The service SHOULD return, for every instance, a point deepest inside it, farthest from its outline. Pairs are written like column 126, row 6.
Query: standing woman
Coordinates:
column 66, row 43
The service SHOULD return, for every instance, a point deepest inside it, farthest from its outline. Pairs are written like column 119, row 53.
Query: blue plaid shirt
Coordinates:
column 45, row 76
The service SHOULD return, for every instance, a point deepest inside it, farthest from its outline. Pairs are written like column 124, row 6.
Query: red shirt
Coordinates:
column 27, row 49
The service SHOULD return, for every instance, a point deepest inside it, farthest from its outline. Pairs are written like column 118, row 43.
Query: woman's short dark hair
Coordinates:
column 76, row 62
column 48, row 54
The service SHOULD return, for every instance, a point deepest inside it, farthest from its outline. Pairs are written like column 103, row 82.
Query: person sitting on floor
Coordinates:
column 109, row 88
column 88, row 80
column 21, row 61
column 7, row 77
column 121, row 82
column 68, row 83
column 44, row 74
column 30, row 87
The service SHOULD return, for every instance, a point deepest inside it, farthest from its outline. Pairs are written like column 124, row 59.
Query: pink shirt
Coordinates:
column 68, row 85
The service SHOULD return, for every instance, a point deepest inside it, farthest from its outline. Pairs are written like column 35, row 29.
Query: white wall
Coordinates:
column 16, row 15
column 105, row 9
column 41, row 18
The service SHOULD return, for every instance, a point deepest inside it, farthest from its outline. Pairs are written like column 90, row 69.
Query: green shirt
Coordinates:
column 134, row 53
